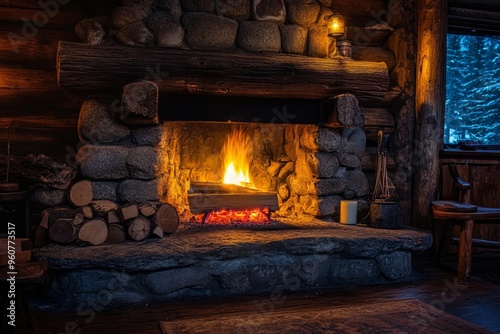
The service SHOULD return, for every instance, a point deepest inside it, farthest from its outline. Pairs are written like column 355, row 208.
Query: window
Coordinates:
column 472, row 111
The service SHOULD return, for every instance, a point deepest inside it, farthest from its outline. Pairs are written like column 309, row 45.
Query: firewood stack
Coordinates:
column 95, row 222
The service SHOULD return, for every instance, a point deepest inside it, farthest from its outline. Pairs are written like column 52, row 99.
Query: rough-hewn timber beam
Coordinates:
column 84, row 68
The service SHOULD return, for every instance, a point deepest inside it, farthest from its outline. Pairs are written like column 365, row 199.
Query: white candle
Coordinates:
column 348, row 212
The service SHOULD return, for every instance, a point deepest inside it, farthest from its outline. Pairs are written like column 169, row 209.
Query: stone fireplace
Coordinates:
column 310, row 167
column 147, row 52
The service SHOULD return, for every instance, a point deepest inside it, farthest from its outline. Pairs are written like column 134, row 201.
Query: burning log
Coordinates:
column 207, row 197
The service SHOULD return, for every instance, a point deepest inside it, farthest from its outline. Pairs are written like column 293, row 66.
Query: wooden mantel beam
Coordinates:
column 84, row 68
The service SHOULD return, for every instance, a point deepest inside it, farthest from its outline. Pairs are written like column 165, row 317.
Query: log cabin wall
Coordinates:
column 44, row 118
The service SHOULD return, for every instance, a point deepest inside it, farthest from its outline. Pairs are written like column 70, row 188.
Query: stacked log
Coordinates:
column 96, row 222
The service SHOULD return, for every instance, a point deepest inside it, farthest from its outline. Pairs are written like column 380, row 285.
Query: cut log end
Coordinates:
column 93, row 232
column 167, row 218
column 139, row 228
column 80, row 193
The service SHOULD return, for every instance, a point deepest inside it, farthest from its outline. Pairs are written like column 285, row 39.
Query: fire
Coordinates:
column 236, row 156
column 224, row 216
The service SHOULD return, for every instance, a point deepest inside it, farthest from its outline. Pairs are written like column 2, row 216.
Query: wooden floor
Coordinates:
column 477, row 301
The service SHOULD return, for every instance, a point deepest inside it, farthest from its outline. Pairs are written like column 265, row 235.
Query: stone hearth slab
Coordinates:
column 207, row 262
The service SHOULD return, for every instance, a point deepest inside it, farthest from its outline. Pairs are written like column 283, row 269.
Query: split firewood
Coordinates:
column 167, row 218
column 127, row 212
column 63, row 231
column 113, row 218
column 138, row 228
column 116, row 234
column 102, row 207
column 80, row 193
column 86, row 211
column 78, row 219
column 93, row 232
column 148, row 209
column 156, row 230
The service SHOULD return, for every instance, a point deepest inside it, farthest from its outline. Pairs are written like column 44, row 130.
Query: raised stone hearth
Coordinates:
column 199, row 262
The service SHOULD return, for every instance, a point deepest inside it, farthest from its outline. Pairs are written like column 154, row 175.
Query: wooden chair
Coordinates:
column 467, row 214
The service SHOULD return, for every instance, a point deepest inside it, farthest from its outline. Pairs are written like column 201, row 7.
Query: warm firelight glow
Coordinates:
column 236, row 157
column 224, row 216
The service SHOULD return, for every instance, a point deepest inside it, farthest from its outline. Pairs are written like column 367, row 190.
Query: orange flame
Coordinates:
column 236, row 156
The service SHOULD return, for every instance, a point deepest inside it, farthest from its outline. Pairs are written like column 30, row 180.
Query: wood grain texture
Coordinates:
column 230, row 74
column 430, row 94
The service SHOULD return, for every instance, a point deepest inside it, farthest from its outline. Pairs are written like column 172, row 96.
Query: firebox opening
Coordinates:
column 185, row 107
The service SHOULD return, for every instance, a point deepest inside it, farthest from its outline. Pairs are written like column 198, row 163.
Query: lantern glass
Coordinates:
column 336, row 26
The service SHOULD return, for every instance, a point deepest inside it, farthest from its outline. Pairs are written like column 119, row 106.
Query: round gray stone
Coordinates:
column 48, row 197
column 396, row 265
column 269, row 10
column 167, row 281
column 142, row 162
column 140, row 191
column 170, row 7
column 293, row 39
column 209, row 32
column 168, row 33
column 357, row 183
column 330, row 186
column 355, row 141
column 103, row 162
column 90, row 31
column 303, row 12
column 135, row 34
column 150, row 136
column 124, row 15
column 104, row 190
column 259, row 36
column 234, row 9
column 348, row 160
column 318, row 45
column 329, row 140
column 323, row 165
column 96, row 125
column 198, row 5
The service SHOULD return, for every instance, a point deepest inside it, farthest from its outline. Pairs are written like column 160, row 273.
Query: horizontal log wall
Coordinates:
column 42, row 117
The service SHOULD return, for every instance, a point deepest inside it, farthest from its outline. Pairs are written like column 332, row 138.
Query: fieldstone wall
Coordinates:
column 311, row 167
column 289, row 26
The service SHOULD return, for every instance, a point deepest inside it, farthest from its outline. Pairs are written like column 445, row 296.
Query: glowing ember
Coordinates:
column 236, row 156
column 224, row 216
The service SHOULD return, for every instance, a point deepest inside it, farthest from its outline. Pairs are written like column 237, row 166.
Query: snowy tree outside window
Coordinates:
column 472, row 90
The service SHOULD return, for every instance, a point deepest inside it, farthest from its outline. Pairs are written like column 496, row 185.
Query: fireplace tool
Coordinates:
column 7, row 186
